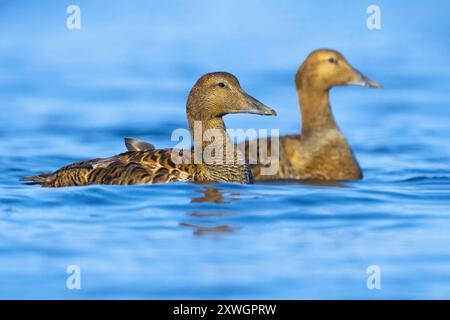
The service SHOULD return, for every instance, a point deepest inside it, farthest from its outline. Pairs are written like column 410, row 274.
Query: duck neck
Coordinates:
column 315, row 109
column 214, row 148
column 202, row 130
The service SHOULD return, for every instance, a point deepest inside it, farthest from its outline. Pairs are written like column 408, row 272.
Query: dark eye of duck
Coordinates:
column 332, row 60
column 221, row 84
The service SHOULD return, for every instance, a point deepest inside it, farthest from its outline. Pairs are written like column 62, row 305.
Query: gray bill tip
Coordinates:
column 363, row 81
column 260, row 108
column 264, row 110
column 366, row 82
column 269, row 111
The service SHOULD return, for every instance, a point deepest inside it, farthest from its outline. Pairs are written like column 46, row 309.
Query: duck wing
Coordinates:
column 138, row 145
column 133, row 167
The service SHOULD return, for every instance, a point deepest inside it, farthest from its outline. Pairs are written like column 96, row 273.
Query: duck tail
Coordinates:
column 37, row 179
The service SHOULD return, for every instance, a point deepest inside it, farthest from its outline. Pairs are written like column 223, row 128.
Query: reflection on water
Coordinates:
column 311, row 183
column 72, row 95
column 209, row 214
column 318, row 183
column 210, row 195
column 216, row 196
column 199, row 231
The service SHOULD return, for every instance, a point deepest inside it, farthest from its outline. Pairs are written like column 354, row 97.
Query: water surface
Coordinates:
column 72, row 95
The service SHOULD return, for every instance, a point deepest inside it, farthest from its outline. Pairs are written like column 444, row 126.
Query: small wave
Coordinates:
column 426, row 178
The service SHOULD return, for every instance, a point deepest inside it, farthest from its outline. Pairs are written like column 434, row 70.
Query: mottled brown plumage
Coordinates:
column 213, row 96
column 321, row 152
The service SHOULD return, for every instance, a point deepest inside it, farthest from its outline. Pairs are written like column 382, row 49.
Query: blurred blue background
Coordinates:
column 68, row 95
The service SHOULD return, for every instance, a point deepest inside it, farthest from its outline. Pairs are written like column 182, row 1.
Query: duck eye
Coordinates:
column 332, row 60
column 221, row 84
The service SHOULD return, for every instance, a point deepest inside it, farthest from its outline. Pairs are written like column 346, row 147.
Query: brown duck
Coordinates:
column 213, row 96
column 321, row 152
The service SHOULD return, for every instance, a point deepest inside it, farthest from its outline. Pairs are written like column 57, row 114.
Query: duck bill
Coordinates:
column 256, row 107
column 362, row 81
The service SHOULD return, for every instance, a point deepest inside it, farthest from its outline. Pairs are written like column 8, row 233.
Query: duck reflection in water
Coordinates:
column 200, row 231
column 210, row 194
column 216, row 196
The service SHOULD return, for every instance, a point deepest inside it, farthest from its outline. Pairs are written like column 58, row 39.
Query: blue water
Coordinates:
column 72, row 95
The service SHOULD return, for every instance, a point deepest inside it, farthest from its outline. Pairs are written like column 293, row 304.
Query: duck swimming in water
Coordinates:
column 321, row 152
column 213, row 96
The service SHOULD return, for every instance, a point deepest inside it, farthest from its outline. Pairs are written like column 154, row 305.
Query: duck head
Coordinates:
column 324, row 69
column 219, row 93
